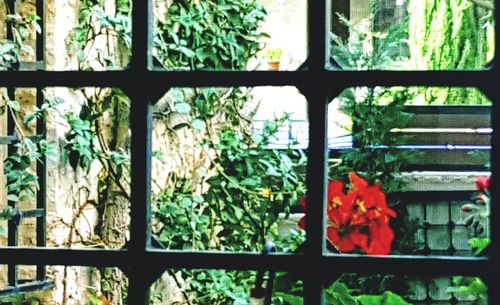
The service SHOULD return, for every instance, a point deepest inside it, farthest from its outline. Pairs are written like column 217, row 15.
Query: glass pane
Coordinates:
column 409, row 171
column 228, row 168
column 230, row 35
column 78, row 35
column 76, row 162
column 226, row 287
column 412, row 34
column 351, row 288
column 64, row 285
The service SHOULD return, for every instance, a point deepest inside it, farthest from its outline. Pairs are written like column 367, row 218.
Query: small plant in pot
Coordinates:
column 273, row 57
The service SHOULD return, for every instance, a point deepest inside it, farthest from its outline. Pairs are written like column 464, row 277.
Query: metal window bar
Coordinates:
column 39, row 282
column 143, row 265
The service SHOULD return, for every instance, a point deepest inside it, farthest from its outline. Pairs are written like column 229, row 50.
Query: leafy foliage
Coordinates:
column 251, row 187
column 20, row 27
column 339, row 293
column 219, row 34
column 246, row 186
column 448, row 35
column 366, row 49
column 95, row 21
column 470, row 286
column 375, row 151
column 374, row 112
column 479, row 244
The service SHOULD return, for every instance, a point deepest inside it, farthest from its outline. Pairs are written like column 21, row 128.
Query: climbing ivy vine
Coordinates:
column 21, row 180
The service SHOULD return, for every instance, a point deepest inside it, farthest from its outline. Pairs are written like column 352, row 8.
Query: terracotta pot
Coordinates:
column 273, row 65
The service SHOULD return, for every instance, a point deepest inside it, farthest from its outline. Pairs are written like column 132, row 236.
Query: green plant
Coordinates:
column 21, row 178
column 219, row 34
column 470, row 286
column 233, row 201
column 446, row 35
column 96, row 22
column 21, row 26
column 289, row 289
column 273, row 54
column 366, row 49
column 478, row 214
column 339, row 294
column 250, row 188
column 375, row 112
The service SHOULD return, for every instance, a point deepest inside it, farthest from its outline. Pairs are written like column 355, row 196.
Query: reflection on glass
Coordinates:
column 66, row 167
column 228, row 168
column 409, row 171
column 353, row 288
column 226, row 287
column 63, row 285
column 240, row 35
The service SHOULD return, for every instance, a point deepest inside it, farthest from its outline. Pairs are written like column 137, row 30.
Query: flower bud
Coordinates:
column 483, row 183
column 467, row 208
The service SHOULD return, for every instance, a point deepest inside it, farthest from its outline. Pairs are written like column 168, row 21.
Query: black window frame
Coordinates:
column 143, row 265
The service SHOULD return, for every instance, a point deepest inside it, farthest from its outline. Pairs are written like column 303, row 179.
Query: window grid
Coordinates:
column 143, row 265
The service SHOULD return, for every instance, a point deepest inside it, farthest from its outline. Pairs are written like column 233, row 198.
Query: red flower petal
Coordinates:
column 373, row 213
column 483, row 183
column 359, row 239
column 302, row 223
column 345, row 244
column 358, row 218
column 335, row 188
column 378, row 248
column 332, row 235
column 358, row 183
column 302, row 201
column 390, row 212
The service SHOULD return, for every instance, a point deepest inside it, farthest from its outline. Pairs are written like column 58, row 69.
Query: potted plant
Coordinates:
column 273, row 57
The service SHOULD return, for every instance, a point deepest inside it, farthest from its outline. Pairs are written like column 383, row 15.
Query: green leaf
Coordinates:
column 28, row 118
column 250, row 181
column 2, row 230
column 198, row 199
column 198, row 124
column 189, row 53
column 186, row 203
column 338, row 293
column 183, row 107
column 388, row 298
column 12, row 197
column 290, row 298
column 14, row 105
column 479, row 244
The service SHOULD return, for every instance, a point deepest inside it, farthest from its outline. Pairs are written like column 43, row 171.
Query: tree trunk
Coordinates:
column 447, row 35
column 115, row 217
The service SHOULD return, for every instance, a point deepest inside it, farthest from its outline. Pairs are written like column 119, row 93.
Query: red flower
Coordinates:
column 358, row 218
column 302, row 221
column 483, row 183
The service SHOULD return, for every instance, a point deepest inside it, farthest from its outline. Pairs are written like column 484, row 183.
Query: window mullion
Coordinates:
column 141, row 35
column 317, row 35
column 316, row 186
